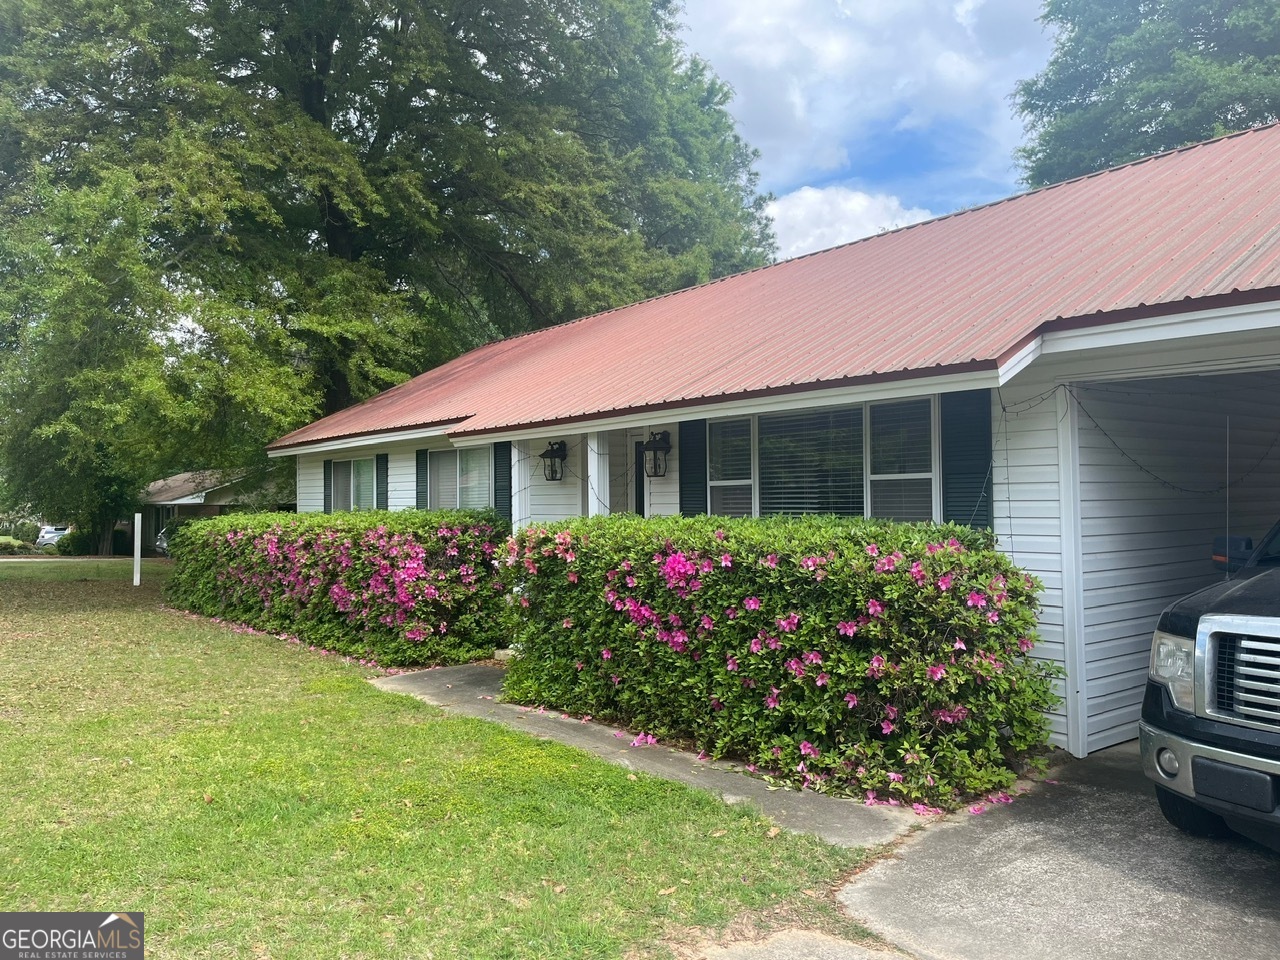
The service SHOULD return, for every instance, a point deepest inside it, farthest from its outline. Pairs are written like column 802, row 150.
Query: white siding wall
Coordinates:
column 311, row 483
column 402, row 472
column 1145, row 543
column 663, row 493
column 560, row 499
column 1027, row 510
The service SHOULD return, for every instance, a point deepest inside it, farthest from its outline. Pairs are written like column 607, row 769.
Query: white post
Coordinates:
column 137, row 549
column 597, row 474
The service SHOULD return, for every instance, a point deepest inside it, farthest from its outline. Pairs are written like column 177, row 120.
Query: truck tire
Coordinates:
column 1189, row 818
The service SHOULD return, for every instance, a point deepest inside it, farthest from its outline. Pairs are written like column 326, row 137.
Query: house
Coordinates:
column 1091, row 368
column 203, row 493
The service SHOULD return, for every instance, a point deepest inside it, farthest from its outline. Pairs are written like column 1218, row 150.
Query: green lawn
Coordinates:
column 256, row 800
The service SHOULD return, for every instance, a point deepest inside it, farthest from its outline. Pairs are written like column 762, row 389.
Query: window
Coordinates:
column 901, row 453
column 353, row 484
column 460, row 478
column 811, row 462
column 875, row 460
column 729, row 467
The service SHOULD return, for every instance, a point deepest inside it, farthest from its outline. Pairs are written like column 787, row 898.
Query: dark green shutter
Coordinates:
column 380, row 470
column 421, row 499
column 693, row 468
column 502, row 479
column 966, row 457
column 328, row 486
column 640, row 477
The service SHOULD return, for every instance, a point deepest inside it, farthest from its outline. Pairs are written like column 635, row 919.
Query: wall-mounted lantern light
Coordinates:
column 656, row 449
column 553, row 459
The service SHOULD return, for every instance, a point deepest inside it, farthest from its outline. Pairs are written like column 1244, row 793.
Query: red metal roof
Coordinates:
column 961, row 292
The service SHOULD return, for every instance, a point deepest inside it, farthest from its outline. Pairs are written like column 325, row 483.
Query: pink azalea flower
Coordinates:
column 770, row 561
column 813, row 656
column 821, row 679
column 895, row 777
column 807, row 749
column 851, row 699
column 959, row 644
column 944, row 582
column 771, row 701
column 937, row 672
column 873, row 550
column 886, row 727
column 789, row 623
column 726, row 560
column 993, row 616
column 847, row 628
column 918, row 574
column 891, row 711
column 876, row 668
column 606, row 654
column 751, row 603
column 1024, row 644
column 875, row 608
column 731, row 664
column 976, row 599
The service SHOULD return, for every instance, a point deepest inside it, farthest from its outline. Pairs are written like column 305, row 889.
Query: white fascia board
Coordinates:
column 1020, row 361
column 364, row 440
column 778, row 403
column 194, row 499
column 1202, row 323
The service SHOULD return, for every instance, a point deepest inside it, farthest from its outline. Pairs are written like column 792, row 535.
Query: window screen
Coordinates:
column 731, row 500
column 342, row 485
column 475, row 467
column 729, row 450
column 363, row 496
column 902, row 460
column 811, row 462
column 901, row 438
column 442, row 480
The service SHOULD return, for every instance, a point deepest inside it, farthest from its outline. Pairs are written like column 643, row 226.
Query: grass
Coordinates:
column 256, row 800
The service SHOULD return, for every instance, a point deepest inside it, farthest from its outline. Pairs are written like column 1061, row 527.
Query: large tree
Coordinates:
column 316, row 199
column 1128, row 78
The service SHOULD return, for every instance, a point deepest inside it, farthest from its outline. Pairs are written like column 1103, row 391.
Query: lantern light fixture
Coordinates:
column 553, row 459
column 656, row 449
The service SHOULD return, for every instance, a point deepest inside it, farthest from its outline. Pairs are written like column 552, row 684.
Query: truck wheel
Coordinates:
column 1189, row 818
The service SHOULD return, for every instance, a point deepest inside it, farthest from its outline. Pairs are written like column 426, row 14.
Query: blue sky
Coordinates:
column 871, row 114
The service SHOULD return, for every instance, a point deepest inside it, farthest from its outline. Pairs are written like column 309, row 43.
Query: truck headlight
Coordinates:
column 1173, row 664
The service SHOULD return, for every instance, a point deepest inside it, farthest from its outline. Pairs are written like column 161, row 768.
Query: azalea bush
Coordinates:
column 887, row 661
column 399, row 588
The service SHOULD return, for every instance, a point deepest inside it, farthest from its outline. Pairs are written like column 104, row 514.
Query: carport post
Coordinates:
column 137, row 549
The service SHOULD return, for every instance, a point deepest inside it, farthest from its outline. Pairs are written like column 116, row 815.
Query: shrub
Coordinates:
column 76, row 543
column 883, row 660
column 12, row 546
column 401, row 588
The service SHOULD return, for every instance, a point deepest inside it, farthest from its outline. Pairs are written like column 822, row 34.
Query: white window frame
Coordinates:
column 457, row 481
column 349, row 465
column 934, row 475
column 935, row 454
column 753, row 481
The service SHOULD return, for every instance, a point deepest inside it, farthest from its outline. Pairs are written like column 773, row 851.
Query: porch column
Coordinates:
column 597, row 493
column 522, row 467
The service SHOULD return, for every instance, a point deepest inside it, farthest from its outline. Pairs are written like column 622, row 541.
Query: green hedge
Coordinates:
column 882, row 660
column 403, row 588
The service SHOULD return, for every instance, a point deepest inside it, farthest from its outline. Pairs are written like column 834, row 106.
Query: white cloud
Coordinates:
column 822, row 84
column 812, row 219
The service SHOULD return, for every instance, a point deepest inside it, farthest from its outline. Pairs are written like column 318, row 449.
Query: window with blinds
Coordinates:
column 354, row 484
column 729, row 467
column 811, row 462
column 901, row 453
column 460, row 479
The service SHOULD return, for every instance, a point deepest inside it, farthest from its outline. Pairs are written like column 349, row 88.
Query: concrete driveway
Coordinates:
column 1081, row 869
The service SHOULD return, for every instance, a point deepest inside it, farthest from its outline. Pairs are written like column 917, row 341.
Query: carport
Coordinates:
column 1120, row 453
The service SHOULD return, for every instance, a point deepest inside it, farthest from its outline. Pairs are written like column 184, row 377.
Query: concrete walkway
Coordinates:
column 1082, row 867
column 473, row 690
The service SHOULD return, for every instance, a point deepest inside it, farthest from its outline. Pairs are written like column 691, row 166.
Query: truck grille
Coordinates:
column 1248, row 678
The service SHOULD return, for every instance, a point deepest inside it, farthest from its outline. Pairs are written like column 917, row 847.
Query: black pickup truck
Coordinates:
column 1210, row 730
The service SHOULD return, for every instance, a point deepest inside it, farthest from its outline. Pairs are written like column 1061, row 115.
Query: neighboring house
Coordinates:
column 1090, row 368
column 200, row 493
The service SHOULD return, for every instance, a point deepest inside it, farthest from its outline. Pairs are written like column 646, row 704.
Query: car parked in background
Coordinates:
column 49, row 536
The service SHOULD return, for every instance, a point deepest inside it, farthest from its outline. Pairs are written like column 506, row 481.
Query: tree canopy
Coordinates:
column 221, row 218
column 1128, row 78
